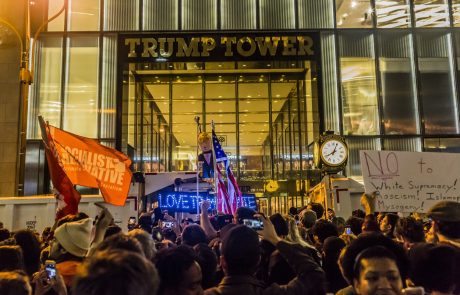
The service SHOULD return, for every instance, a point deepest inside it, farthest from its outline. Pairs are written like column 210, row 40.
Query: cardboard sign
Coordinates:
column 410, row 181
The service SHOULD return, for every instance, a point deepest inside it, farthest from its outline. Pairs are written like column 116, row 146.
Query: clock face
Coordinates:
column 334, row 152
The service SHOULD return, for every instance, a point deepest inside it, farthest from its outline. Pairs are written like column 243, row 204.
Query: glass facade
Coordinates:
column 387, row 79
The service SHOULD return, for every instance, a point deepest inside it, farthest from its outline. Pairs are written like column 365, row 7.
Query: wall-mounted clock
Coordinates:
column 334, row 152
column 330, row 153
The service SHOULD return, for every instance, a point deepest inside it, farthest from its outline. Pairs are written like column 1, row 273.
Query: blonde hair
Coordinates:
column 203, row 137
column 294, row 234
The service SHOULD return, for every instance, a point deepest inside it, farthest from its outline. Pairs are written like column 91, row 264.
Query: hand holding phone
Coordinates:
column 255, row 224
column 50, row 268
column 348, row 230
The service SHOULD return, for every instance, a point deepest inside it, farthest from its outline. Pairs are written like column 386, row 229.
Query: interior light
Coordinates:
column 353, row 4
column 269, row 65
column 278, row 95
column 220, row 96
column 249, row 96
column 244, row 65
column 220, row 65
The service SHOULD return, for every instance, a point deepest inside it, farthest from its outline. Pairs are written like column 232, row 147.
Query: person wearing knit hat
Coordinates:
column 71, row 243
column 445, row 217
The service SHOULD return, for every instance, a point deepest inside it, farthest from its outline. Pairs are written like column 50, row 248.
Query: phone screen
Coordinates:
column 255, row 224
column 167, row 224
column 50, row 267
column 348, row 231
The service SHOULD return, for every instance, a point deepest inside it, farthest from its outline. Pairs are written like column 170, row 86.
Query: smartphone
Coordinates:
column 348, row 231
column 132, row 220
column 50, row 268
column 255, row 224
column 167, row 224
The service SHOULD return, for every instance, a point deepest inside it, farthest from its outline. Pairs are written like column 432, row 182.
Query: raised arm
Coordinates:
column 205, row 222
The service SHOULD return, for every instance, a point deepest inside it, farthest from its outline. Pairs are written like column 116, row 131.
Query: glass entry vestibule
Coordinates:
column 265, row 114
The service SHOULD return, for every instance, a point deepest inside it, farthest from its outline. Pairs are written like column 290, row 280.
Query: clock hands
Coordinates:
column 333, row 151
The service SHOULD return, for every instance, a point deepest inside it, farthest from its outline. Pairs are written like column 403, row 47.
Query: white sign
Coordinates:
column 410, row 181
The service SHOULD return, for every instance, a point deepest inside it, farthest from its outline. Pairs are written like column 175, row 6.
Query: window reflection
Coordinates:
column 353, row 14
column 392, row 14
column 81, row 95
column 431, row 13
column 83, row 15
column 49, row 86
column 359, row 94
column 456, row 12
column 437, row 84
column 399, row 100
column 254, row 127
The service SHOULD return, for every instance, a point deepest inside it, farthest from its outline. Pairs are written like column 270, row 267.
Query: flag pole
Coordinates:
column 198, row 131
column 216, row 185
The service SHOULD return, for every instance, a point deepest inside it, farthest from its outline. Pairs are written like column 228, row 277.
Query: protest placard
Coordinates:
column 410, row 181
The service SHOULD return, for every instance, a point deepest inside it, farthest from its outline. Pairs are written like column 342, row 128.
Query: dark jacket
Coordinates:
column 310, row 277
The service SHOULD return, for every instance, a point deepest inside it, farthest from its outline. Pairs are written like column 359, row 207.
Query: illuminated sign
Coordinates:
column 170, row 47
column 187, row 202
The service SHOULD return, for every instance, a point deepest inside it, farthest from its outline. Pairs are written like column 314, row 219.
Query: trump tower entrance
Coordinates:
column 260, row 90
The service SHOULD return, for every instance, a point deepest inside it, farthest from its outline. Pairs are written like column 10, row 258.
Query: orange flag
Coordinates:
column 67, row 196
column 88, row 163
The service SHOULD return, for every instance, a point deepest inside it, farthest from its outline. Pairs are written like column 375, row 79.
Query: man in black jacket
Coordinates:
column 241, row 256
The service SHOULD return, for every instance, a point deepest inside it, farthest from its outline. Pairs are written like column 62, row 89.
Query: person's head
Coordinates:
column 358, row 213
column 169, row 234
column 207, row 260
column 240, row 251
column 446, row 220
column 340, row 223
column 370, row 224
column 179, row 271
column 116, row 272
column 308, row 218
column 280, row 224
column 30, row 246
column 121, row 242
column 145, row 222
column 193, row 235
column 71, row 239
column 332, row 247
column 388, row 224
column 322, row 230
column 204, row 140
column 14, row 283
column 70, row 218
column 146, row 241
column 293, row 211
column 318, row 208
column 4, row 234
column 351, row 254
column 243, row 213
column 355, row 225
column 330, row 214
column 409, row 230
column 435, row 267
column 11, row 258
column 375, row 271
column 112, row 230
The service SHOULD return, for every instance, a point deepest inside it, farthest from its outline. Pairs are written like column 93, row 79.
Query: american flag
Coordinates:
column 228, row 198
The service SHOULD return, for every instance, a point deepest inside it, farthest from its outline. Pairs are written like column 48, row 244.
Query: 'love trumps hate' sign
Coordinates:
column 410, row 181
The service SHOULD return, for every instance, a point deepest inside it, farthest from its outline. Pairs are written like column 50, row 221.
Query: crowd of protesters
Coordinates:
column 308, row 251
